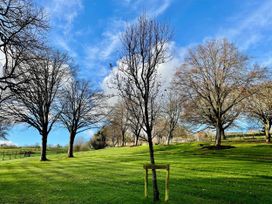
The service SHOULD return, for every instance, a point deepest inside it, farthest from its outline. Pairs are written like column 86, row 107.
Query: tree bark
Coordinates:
column 136, row 140
column 223, row 134
column 156, row 194
column 218, row 137
column 71, row 145
column 267, row 128
column 44, row 145
column 170, row 135
column 123, row 139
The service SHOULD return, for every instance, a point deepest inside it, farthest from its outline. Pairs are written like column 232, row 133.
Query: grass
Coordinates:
column 115, row 175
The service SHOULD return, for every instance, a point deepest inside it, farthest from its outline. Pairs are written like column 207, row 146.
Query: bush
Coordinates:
column 98, row 141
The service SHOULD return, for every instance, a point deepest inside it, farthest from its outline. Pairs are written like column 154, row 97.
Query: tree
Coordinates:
column 34, row 101
column 81, row 108
column 171, row 111
column 5, row 119
column 135, row 124
column 259, row 106
column 215, row 79
column 119, row 118
column 21, row 27
column 144, row 47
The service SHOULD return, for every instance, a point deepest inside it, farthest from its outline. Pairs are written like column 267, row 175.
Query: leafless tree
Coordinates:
column 112, row 134
column 21, row 27
column 171, row 111
column 34, row 101
column 144, row 47
column 215, row 79
column 134, row 121
column 81, row 109
column 259, row 106
column 118, row 117
column 135, row 124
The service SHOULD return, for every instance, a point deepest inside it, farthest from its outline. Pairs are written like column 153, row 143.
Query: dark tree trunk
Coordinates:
column 136, row 139
column 267, row 128
column 223, row 134
column 71, row 145
column 156, row 194
column 218, row 137
column 123, row 139
column 44, row 145
column 170, row 136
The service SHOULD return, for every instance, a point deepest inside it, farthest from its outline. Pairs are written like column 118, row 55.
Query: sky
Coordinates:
column 89, row 31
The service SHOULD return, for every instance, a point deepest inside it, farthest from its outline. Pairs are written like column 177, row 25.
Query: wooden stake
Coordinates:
column 146, row 183
column 167, row 185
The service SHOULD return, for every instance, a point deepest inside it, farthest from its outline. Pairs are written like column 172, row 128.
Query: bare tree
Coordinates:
column 215, row 80
column 144, row 47
column 259, row 107
column 81, row 108
column 21, row 26
column 135, row 124
column 118, row 117
column 34, row 101
column 134, row 121
column 171, row 111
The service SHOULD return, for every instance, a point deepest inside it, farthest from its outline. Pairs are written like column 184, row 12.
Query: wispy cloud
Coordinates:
column 152, row 7
column 249, row 26
column 106, row 49
column 62, row 15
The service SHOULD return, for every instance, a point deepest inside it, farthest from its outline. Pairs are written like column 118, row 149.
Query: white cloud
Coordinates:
column 62, row 13
column 107, row 48
column 152, row 7
column 249, row 26
column 166, row 71
column 7, row 143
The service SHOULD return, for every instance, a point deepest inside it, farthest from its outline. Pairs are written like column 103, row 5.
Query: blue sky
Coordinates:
column 89, row 31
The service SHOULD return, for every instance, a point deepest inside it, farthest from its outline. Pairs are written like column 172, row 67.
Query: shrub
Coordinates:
column 98, row 141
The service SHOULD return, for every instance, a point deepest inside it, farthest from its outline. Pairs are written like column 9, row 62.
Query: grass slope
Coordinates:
column 116, row 175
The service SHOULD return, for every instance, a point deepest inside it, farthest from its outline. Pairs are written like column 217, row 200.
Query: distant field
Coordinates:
column 115, row 175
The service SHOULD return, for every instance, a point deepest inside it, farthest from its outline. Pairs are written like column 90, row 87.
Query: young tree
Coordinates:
column 259, row 107
column 81, row 108
column 215, row 80
column 144, row 47
column 21, row 28
column 34, row 101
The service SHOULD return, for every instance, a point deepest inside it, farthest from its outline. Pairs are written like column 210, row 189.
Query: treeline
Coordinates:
column 122, row 129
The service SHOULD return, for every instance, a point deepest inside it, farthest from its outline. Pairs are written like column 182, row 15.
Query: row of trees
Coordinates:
column 39, row 86
column 121, row 128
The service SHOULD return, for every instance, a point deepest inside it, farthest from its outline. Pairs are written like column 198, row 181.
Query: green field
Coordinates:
column 115, row 175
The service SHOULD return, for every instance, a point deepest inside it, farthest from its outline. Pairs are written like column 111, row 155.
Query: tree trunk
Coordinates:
column 156, row 194
column 123, row 139
column 170, row 135
column 223, row 134
column 267, row 127
column 71, row 144
column 136, row 139
column 218, row 137
column 44, row 145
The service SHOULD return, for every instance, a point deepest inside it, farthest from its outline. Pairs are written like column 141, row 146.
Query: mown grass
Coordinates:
column 115, row 175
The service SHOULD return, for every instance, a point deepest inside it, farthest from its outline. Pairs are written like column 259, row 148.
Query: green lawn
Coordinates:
column 115, row 175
